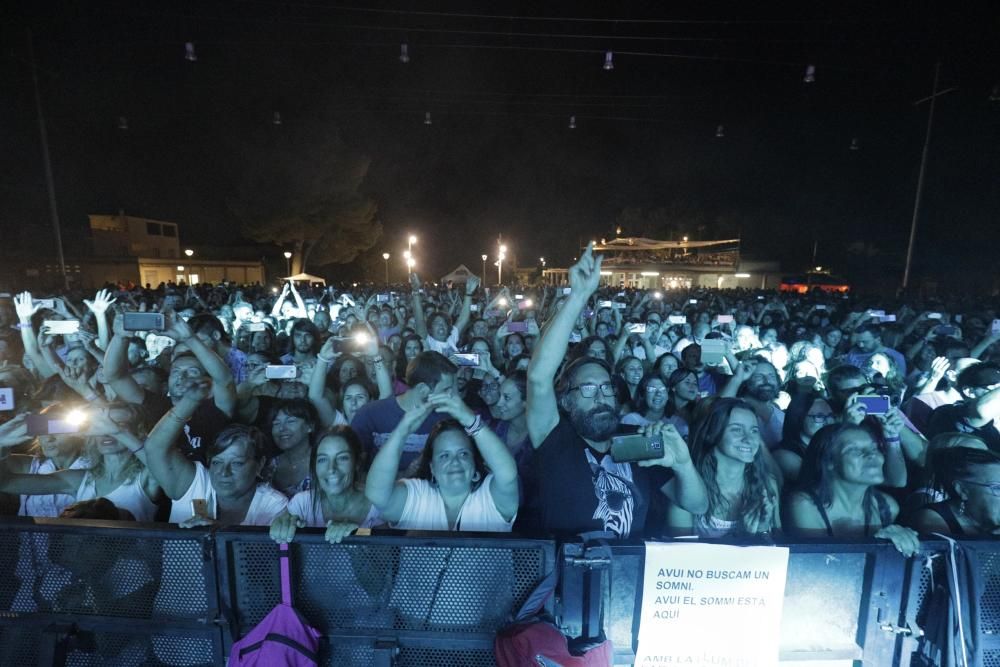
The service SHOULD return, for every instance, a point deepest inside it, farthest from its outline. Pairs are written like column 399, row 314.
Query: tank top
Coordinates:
column 49, row 505
column 884, row 514
column 128, row 496
column 943, row 510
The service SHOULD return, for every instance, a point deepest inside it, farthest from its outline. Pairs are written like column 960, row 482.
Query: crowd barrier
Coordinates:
column 102, row 594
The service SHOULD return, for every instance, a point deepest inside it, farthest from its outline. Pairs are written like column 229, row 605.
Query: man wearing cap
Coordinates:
column 979, row 409
column 575, row 486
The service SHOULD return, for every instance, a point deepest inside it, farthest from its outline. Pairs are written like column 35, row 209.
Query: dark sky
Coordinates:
column 501, row 87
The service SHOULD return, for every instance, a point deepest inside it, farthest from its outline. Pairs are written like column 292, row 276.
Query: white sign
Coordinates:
column 711, row 604
column 6, row 398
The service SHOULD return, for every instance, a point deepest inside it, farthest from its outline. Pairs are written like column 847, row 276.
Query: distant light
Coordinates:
column 427, row 118
column 385, row 255
column 650, row 273
column 657, row 295
column 810, row 76
column 685, row 239
column 412, row 239
column 855, row 144
column 404, row 53
column 122, row 123
column 503, row 249
column 609, row 61
column 180, row 268
column 618, row 231
column 189, row 252
column 605, row 273
column 572, row 122
column 411, row 262
column 720, row 132
column 288, row 255
column 276, row 118
column 407, row 254
column 819, row 268
column 189, row 54
column 742, row 275
column 502, row 301
column 274, row 290
column 485, row 257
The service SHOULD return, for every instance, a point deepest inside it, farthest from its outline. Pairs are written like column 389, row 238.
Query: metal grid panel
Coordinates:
column 19, row 645
column 426, row 657
column 105, row 573
column 133, row 650
column 989, row 603
column 367, row 586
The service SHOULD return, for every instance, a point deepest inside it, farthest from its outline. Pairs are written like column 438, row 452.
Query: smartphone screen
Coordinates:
column 875, row 405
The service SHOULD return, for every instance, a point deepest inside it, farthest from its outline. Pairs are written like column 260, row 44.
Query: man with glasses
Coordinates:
column 979, row 410
column 575, row 485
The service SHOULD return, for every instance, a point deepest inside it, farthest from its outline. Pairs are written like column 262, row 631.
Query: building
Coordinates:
column 651, row 264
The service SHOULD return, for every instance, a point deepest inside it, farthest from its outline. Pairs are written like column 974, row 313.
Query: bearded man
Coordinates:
column 574, row 485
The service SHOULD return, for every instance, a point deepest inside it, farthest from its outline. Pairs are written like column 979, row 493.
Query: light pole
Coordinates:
column 410, row 241
column 410, row 263
column 288, row 262
column 485, row 257
column 500, row 257
column 385, row 256
column 189, row 252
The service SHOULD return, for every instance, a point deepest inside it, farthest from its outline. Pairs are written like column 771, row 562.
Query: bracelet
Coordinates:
column 892, row 439
column 473, row 429
column 377, row 359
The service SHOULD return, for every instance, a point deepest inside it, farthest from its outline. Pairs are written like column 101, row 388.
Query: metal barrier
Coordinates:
column 107, row 594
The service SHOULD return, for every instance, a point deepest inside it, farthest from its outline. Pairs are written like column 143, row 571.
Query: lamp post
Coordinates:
column 410, row 263
column 410, row 241
column 385, row 256
column 189, row 252
column 288, row 262
column 500, row 257
column 485, row 257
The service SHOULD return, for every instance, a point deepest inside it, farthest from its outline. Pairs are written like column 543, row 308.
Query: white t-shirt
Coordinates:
column 266, row 504
column 424, row 509
column 447, row 348
column 303, row 505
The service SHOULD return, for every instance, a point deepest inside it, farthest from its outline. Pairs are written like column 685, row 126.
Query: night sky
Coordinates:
column 501, row 87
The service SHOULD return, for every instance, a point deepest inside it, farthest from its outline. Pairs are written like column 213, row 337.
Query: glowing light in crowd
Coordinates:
column 427, row 118
column 572, row 122
column 404, row 53
column 810, row 76
column 189, row 54
column 189, row 252
column 609, row 61
column 276, row 118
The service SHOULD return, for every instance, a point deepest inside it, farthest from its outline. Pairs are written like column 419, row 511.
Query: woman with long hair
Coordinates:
column 970, row 481
column 838, row 492
column 806, row 414
column 337, row 499
column 742, row 492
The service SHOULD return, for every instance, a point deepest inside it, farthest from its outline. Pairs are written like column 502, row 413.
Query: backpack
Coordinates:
column 282, row 638
column 534, row 639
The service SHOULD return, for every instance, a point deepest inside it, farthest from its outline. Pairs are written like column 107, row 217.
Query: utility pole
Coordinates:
column 53, row 209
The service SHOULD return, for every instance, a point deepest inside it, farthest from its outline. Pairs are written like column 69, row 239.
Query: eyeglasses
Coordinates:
column 994, row 487
column 589, row 390
column 656, row 391
column 823, row 417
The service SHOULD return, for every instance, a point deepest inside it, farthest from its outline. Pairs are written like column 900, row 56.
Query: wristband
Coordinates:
column 892, row 440
column 475, row 427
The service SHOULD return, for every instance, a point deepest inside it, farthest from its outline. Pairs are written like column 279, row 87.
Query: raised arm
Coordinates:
column 116, row 369
column 164, row 461
column 463, row 316
column 223, row 384
column 25, row 308
column 419, row 322
column 99, row 307
column 381, row 487
column 543, row 412
column 317, row 384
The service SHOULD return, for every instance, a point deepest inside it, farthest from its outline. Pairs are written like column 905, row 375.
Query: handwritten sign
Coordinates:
column 711, row 604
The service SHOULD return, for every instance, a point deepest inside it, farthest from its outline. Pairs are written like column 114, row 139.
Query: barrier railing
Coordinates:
column 104, row 593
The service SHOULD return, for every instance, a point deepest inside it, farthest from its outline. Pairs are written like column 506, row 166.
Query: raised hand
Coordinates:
column 24, row 306
column 471, row 285
column 675, row 450
column 450, row 404
column 585, row 275
column 102, row 300
column 176, row 327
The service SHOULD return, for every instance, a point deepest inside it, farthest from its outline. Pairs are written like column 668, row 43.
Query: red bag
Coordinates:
column 282, row 638
column 541, row 644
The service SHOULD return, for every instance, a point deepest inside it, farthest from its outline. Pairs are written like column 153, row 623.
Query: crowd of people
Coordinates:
column 727, row 414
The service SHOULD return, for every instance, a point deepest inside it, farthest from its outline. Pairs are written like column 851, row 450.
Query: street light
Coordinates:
column 288, row 262
column 410, row 241
column 385, row 256
column 500, row 258
column 189, row 252
column 485, row 257
column 542, row 260
column 410, row 263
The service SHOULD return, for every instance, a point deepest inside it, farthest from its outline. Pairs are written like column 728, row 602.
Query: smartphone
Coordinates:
column 46, row 303
column 46, row 425
column 199, row 507
column 934, row 316
column 143, row 322
column 6, row 398
column 525, row 305
column 760, row 298
column 877, row 313
column 273, row 372
column 61, row 327
column 567, row 291
column 724, row 319
column 517, row 327
column 677, row 319
column 819, row 306
column 635, row 447
column 636, row 328
column 382, row 298
column 713, row 351
column 692, row 301
column 257, row 326
column 473, row 307
column 466, row 359
column 944, row 330
column 605, row 304
column 996, row 326
column 875, row 405
column 657, row 295
column 888, row 318
column 518, row 297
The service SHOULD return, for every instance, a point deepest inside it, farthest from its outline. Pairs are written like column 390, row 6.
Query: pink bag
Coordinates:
column 282, row 638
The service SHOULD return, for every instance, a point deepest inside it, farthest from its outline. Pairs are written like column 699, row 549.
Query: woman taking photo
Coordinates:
column 451, row 488
column 337, row 500
column 839, row 497
column 742, row 492
column 228, row 491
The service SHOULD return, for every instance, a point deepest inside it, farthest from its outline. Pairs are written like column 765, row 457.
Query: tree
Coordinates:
column 299, row 188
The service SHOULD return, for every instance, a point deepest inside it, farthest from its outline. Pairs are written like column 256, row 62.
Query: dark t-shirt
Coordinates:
column 375, row 422
column 570, row 493
column 952, row 418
